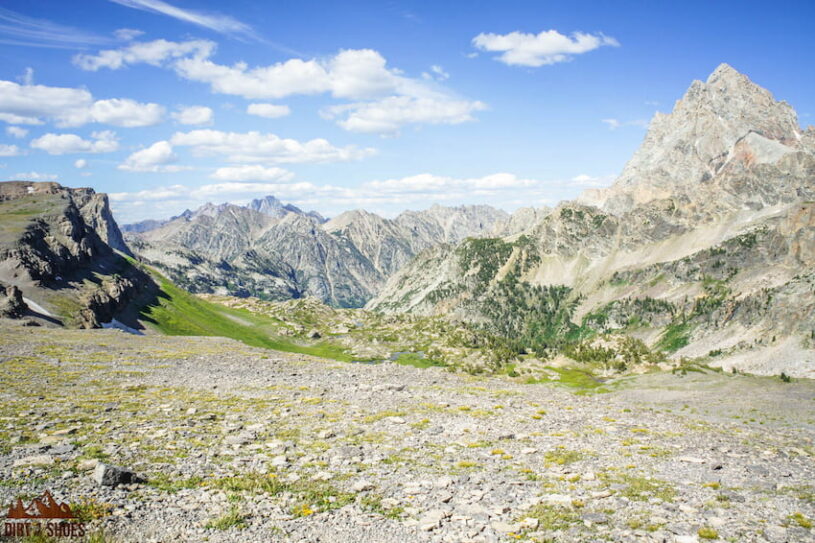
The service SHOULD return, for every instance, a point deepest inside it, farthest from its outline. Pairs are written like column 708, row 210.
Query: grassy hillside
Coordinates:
column 178, row 313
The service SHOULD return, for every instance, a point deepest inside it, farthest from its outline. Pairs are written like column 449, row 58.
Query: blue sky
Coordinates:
column 380, row 105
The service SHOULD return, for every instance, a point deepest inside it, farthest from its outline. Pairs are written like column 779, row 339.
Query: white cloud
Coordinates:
column 393, row 194
column 588, row 181
column 62, row 144
column 428, row 183
column 9, row 150
column 270, row 111
column 81, row 163
column 16, row 131
column 437, row 73
column 252, row 173
column 159, row 157
column 194, row 115
column 153, row 52
column 386, row 116
column 34, row 176
column 33, row 104
column 118, row 112
column 614, row 124
column 547, row 47
column 127, row 34
column 223, row 24
column 265, row 148
column 385, row 97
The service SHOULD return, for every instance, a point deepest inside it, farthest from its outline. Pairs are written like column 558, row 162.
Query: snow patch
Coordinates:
column 34, row 306
column 123, row 327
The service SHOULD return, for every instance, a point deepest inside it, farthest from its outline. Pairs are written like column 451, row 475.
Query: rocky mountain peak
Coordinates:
column 687, row 148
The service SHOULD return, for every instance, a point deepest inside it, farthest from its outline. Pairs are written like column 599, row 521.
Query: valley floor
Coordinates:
column 245, row 444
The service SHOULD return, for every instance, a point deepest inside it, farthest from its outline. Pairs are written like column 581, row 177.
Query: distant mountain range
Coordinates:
column 276, row 251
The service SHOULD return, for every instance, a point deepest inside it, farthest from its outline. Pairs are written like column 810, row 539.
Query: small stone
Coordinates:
column 280, row 461
column 504, row 527
column 691, row 459
column 529, row 450
column 443, row 482
column 362, row 485
column 108, row 475
column 595, row 518
column 557, row 499
column 87, row 465
column 432, row 519
column 35, row 460
column 314, row 334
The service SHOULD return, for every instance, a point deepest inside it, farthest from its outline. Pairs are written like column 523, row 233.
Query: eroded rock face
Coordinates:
column 11, row 302
column 62, row 248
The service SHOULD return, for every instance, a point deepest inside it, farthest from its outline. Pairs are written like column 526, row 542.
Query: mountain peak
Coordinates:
column 683, row 150
column 724, row 70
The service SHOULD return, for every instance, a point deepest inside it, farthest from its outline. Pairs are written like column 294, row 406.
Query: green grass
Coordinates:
column 312, row 496
column 675, row 337
column 231, row 519
column 554, row 517
column 179, row 313
column 417, row 361
column 579, row 381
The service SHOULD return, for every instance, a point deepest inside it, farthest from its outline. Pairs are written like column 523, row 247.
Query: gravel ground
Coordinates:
column 242, row 444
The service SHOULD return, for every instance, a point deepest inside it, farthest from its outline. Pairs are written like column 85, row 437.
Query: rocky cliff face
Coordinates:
column 62, row 249
column 277, row 251
column 703, row 245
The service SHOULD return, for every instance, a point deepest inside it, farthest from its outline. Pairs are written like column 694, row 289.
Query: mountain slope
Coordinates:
column 711, row 218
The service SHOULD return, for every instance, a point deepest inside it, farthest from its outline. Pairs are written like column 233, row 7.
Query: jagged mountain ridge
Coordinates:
column 276, row 251
column 729, row 163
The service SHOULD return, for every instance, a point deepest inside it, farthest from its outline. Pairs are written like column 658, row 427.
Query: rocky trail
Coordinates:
column 233, row 443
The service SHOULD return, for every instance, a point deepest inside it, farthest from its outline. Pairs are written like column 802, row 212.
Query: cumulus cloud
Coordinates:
column 117, row 112
column 127, row 34
column 67, row 107
column 386, row 116
column 265, row 148
column 81, row 164
column 383, row 96
column 9, row 150
column 544, row 48
column 251, row 173
column 159, row 157
column 270, row 111
column 194, row 115
column 436, row 72
column 153, row 52
column 16, row 131
column 63, row 144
